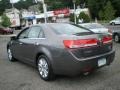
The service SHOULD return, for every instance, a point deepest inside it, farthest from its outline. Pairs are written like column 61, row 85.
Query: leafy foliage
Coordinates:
column 72, row 18
column 108, row 12
column 4, row 4
column 85, row 17
column 5, row 21
column 24, row 4
column 101, row 15
column 96, row 6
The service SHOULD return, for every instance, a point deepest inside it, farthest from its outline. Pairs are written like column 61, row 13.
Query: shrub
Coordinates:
column 84, row 16
column 107, row 13
column 72, row 18
column 5, row 21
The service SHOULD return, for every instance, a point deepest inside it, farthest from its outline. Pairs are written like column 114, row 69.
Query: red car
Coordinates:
column 5, row 30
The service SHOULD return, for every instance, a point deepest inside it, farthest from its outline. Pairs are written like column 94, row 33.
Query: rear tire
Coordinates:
column 45, row 68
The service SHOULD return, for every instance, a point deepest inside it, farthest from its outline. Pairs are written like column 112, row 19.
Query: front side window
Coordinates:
column 24, row 34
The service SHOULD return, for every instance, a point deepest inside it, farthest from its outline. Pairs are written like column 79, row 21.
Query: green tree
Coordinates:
column 85, row 17
column 4, row 4
column 116, row 5
column 5, row 21
column 24, row 4
column 101, row 15
column 95, row 6
column 56, row 5
column 72, row 18
column 109, row 11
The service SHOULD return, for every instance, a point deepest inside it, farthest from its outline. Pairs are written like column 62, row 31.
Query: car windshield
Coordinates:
column 68, row 29
column 117, row 18
column 93, row 26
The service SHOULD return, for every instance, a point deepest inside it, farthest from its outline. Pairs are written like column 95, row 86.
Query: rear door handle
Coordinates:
column 36, row 43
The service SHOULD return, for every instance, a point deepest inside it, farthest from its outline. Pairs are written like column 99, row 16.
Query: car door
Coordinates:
column 29, row 45
column 18, row 44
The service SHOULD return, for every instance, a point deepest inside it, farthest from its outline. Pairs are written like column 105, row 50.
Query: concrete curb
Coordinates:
column 5, row 36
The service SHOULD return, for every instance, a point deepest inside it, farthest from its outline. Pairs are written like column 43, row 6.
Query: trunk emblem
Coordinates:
column 100, row 42
column 100, row 39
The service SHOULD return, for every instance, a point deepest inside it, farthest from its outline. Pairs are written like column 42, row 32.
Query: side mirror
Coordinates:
column 13, row 38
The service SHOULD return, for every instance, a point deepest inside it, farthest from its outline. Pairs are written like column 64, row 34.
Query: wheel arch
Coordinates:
column 45, row 52
column 37, row 56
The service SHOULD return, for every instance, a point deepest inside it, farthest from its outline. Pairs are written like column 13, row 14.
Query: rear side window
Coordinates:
column 68, row 29
column 35, row 32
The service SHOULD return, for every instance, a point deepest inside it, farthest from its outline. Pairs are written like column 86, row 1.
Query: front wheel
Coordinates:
column 45, row 68
column 113, row 23
column 10, row 55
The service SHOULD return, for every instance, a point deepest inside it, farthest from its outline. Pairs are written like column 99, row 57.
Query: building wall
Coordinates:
column 14, row 18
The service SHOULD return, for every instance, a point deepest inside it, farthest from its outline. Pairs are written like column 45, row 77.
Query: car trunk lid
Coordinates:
column 89, row 45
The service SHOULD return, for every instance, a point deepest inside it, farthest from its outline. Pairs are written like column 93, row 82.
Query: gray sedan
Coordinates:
column 96, row 28
column 61, row 49
column 115, row 21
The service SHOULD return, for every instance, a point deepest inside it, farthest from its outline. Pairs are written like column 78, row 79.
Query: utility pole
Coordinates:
column 44, row 9
column 13, row 9
column 74, row 1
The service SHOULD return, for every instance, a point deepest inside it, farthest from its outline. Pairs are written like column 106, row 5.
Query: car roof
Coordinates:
column 50, row 25
column 53, row 24
column 47, row 24
column 88, row 23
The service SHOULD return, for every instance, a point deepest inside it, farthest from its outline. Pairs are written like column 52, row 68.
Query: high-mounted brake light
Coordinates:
column 107, row 39
column 80, row 43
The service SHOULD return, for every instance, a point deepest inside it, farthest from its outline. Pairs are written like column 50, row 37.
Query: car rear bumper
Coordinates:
column 70, row 65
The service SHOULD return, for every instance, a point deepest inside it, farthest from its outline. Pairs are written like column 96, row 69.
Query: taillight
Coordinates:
column 107, row 39
column 80, row 43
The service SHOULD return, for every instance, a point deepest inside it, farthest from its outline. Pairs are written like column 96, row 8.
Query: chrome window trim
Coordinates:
column 36, row 38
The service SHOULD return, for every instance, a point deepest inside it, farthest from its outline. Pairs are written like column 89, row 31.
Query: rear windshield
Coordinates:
column 68, row 29
column 93, row 26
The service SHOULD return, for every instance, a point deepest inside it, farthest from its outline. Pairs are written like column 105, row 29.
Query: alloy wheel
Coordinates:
column 43, row 68
column 10, row 55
